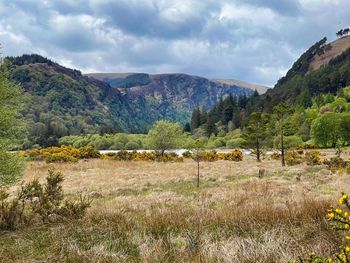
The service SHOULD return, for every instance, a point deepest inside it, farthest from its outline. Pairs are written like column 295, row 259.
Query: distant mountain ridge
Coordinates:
column 62, row 101
column 175, row 95
column 120, row 80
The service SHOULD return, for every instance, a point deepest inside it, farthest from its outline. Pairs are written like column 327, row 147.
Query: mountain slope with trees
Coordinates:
column 309, row 77
column 62, row 101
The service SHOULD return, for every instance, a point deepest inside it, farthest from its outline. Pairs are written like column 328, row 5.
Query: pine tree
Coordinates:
column 195, row 119
column 281, row 111
column 211, row 127
column 257, row 131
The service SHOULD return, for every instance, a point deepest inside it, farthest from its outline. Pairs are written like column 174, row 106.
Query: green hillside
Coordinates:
column 62, row 101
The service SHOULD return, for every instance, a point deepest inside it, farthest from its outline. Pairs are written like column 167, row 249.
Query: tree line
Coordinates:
column 343, row 32
column 324, row 123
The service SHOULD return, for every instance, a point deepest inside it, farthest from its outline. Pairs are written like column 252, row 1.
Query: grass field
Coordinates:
column 153, row 212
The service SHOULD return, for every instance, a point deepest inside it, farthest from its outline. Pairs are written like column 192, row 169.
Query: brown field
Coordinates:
column 152, row 212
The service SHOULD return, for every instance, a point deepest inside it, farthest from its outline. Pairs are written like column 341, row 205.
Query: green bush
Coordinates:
column 132, row 145
column 235, row 143
column 293, row 141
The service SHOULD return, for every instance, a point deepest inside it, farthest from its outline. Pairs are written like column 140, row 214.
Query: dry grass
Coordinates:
column 152, row 212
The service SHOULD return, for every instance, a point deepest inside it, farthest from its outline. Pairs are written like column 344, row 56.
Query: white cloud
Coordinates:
column 251, row 40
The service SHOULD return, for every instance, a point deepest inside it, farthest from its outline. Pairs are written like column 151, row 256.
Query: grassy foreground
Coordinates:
column 152, row 212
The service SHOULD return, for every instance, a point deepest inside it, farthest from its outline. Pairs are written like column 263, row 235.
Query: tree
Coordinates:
column 257, row 131
column 340, row 33
column 165, row 135
column 11, row 128
column 195, row 119
column 197, row 148
column 187, row 127
column 325, row 129
column 282, row 126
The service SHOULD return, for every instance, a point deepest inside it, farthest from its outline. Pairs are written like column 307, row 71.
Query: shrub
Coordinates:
column 35, row 199
column 235, row 155
column 289, row 142
column 275, row 156
column 313, row 157
column 61, row 154
column 187, row 154
column 340, row 220
column 132, row 145
column 207, row 156
column 335, row 163
column 235, row 143
column 143, row 156
column 293, row 158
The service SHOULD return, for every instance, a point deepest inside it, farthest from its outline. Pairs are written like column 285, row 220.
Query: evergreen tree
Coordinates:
column 211, row 127
column 187, row 127
column 228, row 109
column 257, row 131
column 281, row 112
column 195, row 119
column 203, row 116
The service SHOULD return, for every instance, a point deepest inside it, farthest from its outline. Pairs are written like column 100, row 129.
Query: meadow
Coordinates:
column 144, row 211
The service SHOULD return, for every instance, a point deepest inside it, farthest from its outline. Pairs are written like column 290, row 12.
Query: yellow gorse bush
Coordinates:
column 61, row 154
column 294, row 157
column 313, row 157
column 71, row 154
column 143, row 156
column 340, row 220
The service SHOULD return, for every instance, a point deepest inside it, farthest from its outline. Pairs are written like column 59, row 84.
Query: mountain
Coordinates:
column 259, row 88
column 323, row 68
column 127, row 80
column 173, row 95
column 62, row 101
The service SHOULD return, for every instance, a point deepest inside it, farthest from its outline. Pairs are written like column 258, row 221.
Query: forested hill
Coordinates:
column 323, row 68
column 62, row 101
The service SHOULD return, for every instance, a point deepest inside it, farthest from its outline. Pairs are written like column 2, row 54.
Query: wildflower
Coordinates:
column 331, row 215
column 346, row 214
column 346, row 226
column 330, row 260
column 347, row 237
column 347, row 249
column 338, row 211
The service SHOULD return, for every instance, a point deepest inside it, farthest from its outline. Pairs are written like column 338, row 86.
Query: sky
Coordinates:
column 250, row 40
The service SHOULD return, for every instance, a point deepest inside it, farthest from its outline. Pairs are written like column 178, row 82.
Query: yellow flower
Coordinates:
column 346, row 214
column 347, row 237
column 330, row 260
column 347, row 249
column 331, row 215
column 344, row 196
column 347, row 227
column 338, row 211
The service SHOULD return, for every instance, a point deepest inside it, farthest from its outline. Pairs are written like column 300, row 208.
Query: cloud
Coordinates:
column 251, row 40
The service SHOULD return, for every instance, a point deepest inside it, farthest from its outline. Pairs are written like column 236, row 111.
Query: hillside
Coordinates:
column 332, row 50
column 62, row 101
column 323, row 68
